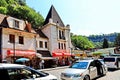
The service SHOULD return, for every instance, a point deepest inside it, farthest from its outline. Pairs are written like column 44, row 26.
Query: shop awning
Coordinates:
column 66, row 54
column 57, row 54
column 25, row 53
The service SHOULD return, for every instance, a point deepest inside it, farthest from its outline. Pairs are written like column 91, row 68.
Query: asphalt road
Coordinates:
column 111, row 75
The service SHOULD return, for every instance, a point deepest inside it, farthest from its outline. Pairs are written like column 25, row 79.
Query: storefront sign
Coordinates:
column 57, row 54
column 21, row 53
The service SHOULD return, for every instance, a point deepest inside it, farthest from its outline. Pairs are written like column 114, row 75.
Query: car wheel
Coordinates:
column 86, row 78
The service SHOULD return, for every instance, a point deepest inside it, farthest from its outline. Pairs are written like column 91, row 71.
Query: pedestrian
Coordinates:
column 42, row 63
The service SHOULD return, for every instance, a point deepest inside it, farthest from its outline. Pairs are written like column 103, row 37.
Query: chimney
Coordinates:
column 28, row 26
column 50, row 20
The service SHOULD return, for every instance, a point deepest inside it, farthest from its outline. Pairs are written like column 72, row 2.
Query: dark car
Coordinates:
column 22, row 72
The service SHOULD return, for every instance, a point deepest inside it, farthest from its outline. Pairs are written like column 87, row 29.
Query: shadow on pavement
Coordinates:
column 112, row 69
column 98, row 77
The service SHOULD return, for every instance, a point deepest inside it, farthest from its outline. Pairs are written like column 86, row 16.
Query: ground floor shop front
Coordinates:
column 63, row 58
column 50, row 61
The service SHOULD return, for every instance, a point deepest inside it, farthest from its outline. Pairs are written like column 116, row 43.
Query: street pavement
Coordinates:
column 55, row 71
column 111, row 75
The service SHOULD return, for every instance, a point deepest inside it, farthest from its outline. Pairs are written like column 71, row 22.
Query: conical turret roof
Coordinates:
column 54, row 16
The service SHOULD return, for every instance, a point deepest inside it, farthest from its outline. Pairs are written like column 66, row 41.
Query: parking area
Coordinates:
column 111, row 75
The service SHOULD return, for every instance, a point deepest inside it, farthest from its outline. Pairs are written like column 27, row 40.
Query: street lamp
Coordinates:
column 14, row 55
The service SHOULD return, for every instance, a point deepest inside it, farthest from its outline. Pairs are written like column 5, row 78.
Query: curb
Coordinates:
column 49, row 69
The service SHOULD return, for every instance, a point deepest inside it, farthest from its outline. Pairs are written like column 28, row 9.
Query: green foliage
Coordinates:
column 81, row 42
column 21, row 2
column 105, row 43
column 117, row 40
column 3, row 3
column 3, row 10
column 98, row 44
column 19, row 9
column 111, row 44
column 11, row 2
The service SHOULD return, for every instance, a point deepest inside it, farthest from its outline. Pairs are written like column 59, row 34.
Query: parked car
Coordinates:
column 22, row 72
column 112, row 62
column 84, row 70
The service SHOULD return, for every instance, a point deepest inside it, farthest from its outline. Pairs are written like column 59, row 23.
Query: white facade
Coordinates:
column 51, row 30
column 43, row 40
column 29, row 40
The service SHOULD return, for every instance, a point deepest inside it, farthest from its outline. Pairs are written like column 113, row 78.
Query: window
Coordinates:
column 58, row 45
column 4, row 74
column 12, row 38
column 60, row 36
column 92, row 64
column 41, row 44
column 23, row 74
column 63, row 35
column 79, row 65
column 64, row 46
column 16, row 24
column 45, row 44
column 21, row 40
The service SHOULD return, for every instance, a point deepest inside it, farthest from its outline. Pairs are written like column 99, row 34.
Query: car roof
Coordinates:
column 86, row 60
column 111, row 57
column 9, row 65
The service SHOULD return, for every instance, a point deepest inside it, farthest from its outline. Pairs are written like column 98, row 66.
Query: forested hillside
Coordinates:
column 19, row 9
column 99, row 39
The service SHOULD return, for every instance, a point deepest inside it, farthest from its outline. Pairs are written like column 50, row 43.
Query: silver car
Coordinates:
column 84, row 70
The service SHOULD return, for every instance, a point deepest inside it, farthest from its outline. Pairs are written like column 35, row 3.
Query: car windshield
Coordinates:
column 79, row 65
column 24, row 73
column 109, row 59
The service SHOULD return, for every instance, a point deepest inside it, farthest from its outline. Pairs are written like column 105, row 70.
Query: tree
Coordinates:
column 81, row 42
column 117, row 40
column 98, row 44
column 3, row 10
column 3, row 3
column 105, row 43
column 21, row 2
column 19, row 9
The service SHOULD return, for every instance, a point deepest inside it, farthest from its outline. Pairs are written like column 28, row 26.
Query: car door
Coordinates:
column 92, row 70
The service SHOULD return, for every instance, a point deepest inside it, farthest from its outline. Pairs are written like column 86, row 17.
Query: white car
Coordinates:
column 112, row 62
column 84, row 70
column 22, row 72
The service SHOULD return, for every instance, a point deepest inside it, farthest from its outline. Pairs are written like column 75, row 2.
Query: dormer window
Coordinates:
column 16, row 24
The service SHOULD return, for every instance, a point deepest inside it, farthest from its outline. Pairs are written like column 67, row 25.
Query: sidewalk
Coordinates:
column 49, row 69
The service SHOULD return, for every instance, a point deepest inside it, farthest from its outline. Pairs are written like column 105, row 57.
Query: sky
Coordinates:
column 85, row 17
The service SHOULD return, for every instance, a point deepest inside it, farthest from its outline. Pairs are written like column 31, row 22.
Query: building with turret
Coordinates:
column 57, row 33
